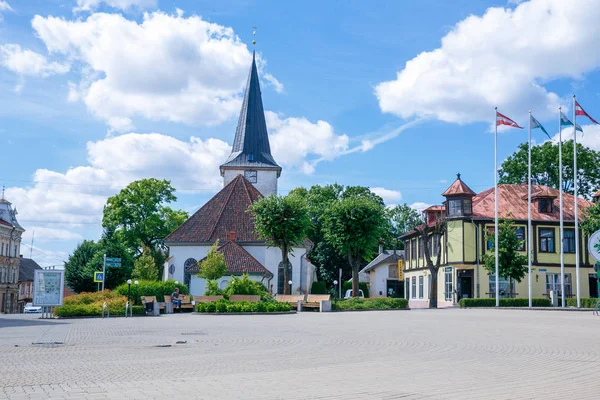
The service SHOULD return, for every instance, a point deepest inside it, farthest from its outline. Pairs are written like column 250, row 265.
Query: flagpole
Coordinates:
column 576, row 204
column 496, row 205
column 560, row 191
column 529, row 211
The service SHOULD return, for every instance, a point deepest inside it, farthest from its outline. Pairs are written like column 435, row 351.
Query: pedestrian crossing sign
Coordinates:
column 98, row 276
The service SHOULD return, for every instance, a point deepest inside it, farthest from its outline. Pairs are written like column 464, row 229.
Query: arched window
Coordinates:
column 189, row 262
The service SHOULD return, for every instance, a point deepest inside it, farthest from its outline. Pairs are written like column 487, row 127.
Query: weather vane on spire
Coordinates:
column 254, row 34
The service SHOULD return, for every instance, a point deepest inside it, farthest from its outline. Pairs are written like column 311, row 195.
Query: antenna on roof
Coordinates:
column 254, row 34
column 31, row 248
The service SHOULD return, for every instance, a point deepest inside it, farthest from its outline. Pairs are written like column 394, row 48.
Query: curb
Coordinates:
column 567, row 309
column 385, row 309
column 247, row 313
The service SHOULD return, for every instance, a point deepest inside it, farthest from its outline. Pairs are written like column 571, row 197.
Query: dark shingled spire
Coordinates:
column 251, row 144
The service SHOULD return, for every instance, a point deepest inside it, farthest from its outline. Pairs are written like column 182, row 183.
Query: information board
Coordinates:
column 594, row 245
column 48, row 287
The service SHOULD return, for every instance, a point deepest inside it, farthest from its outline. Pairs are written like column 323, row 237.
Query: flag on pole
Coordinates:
column 565, row 121
column 535, row 124
column 504, row 120
column 580, row 111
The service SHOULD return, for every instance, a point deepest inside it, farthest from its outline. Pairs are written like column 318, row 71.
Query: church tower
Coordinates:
column 251, row 152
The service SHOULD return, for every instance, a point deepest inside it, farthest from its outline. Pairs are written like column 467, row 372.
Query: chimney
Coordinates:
column 380, row 248
column 231, row 236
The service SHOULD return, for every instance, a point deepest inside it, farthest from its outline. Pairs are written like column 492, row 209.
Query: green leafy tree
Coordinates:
column 283, row 222
column 354, row 226
column 511, row 264
column 591, row 219
column 403, row 219
column 79, row 271
column 145, row 268
column 213, row 266
column 544, row 167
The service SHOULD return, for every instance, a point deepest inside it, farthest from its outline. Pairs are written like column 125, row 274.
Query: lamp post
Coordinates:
column 335, row 289
column 290, row 283
column 128, row 289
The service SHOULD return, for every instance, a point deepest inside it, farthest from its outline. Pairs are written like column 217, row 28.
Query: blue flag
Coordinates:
column 565, row 121
column 535, row 124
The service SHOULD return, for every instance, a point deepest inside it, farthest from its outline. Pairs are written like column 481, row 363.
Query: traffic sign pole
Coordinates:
column 103, row 272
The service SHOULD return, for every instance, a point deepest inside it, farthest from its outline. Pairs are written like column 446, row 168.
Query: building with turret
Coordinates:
column 10, row 246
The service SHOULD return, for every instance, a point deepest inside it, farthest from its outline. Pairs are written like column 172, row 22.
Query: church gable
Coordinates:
column 238, row 261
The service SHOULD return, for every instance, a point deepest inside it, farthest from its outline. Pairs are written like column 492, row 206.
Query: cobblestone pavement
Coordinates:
column 417, row 354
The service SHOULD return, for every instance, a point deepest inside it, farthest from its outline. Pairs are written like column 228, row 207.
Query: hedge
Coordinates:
column 225, row 306
column 361, row 285
column 159, row 289
column 90, row 305
column 318, row 288
column 467, row 303
column 376, row 303
column 585, row 303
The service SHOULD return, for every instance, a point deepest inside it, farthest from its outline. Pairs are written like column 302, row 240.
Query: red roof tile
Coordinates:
column 225, row 212
column 458, row 188
column 238, row 261
column 597, row 194
column 435, row 208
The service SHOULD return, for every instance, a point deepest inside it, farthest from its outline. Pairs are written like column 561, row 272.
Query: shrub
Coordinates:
column 585, row 303
column 245, row 285
column 377, row 303
column 318, row 288
column 224, row 306
column 212, row 289
column 361, row 285
column 90, row 305
column 465, row 303
column 152, row 288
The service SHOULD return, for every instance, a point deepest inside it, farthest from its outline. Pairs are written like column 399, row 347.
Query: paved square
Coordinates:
column 417, row 354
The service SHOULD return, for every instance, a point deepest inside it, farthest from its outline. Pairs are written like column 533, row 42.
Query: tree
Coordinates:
column 511, row 264
column 354, row 226
column 213, row 266
column 591, row 219
column 403, row 219
column 137, row 217
column 432, row 235
column 544, row 167
column 79, row 272
column 145, row 268
column 283, row 222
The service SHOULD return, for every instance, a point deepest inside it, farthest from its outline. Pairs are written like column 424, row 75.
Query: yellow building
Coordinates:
column 470, row 217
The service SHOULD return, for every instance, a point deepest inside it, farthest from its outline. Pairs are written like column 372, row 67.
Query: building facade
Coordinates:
column 10, row 247
column 27, row 268
column 384, row 277
column 469, row 219
column 249, row 173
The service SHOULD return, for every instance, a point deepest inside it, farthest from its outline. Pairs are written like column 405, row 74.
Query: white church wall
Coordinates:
column 181, row 253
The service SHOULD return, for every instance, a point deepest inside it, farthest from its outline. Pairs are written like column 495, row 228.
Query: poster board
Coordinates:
column 48, row 287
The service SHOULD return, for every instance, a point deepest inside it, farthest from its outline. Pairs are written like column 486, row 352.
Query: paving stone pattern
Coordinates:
column 417, row 354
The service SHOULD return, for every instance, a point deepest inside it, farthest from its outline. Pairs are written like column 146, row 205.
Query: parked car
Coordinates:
column 30, row 308
column 349, row 294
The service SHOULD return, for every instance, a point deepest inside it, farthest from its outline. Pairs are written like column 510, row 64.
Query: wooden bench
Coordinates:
column 314, row 300
column 206, row 299
column 292, row 299
column 186, row 303
column 244, row 297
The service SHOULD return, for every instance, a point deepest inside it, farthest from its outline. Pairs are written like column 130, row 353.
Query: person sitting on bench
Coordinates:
column 175, row 299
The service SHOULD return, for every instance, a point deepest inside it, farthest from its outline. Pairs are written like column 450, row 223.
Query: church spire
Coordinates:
column 251, row 147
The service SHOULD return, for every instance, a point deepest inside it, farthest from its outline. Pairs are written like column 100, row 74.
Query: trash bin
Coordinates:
column 150, row 308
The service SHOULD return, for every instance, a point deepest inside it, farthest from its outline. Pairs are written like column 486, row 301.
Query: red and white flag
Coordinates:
column 580, row 111
column 504, row 120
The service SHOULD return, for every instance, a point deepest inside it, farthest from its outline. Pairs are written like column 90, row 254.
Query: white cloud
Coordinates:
column 89, row 5
column 44, row 234
column 388, row 196
column 165, row 67
column 301, row 144
column 503, row 59
column 273, row 81
column 4, row 6
column 590, row 137
column 28, row 63
column 44, row 257
column 419, row 206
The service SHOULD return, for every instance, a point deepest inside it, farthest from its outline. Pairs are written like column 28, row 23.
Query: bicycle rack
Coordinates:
column 105, row 308
column 128, row 310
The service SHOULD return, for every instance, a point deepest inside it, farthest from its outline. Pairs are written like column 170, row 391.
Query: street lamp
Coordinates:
column 335, row 289
column 290, row 283
column 128, row 289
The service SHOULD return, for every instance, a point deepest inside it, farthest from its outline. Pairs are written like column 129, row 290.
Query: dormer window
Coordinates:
column 460, row 207
column 545, row 206
column 459, row 199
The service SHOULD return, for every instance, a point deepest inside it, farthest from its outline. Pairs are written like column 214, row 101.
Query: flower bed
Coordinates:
column 377, row 303
column 585, row 302
column 225, row 306
column 467, row 303
column 90, row 305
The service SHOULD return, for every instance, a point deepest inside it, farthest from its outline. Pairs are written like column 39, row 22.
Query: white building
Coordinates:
column 382, row 274
column 249, row 173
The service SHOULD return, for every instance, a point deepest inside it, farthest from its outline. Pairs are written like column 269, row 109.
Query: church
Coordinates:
column 248, row 174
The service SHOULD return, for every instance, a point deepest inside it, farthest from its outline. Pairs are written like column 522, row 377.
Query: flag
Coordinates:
column 535, row 124
column 580, row 111
column 504, row 120
column 565, row 121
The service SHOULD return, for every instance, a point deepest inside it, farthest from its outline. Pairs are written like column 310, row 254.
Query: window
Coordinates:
column 502, row 287
column 436, row 246
column 467, row 209
column 448, row 283
column 420, row 287
column 490, row 241
column 413, row 249
column 547, row 240
column 420, row 247
column 23, row 289
column 2, row 248
column 520, row 231
column 413, row 289
column 28, row 288
column 15, row 251
column 454, row 208
column 553, row 283
column 569, row 240
column 393, row 271
column 545, row 205
column 407, row 249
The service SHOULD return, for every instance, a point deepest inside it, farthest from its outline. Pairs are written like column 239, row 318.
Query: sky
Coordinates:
column 395, row 96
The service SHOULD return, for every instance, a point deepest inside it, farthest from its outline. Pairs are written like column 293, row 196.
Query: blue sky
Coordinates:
column 398, row 96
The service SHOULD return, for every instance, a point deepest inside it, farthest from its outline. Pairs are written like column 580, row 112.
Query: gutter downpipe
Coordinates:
column 477, row 290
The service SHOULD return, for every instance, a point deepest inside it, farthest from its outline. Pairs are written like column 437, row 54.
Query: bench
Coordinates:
column 186, row 303
column 152, row 299
column 244, row 297
column 206, row 299
column 292, row 299
column 314, row 300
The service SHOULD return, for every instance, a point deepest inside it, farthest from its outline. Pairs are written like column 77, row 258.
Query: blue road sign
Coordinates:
column 98, row 276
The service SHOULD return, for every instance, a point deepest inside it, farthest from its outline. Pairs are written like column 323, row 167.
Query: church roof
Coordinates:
column 224, row 213
column 251, row 144
column 238, row 261
column 458, row 187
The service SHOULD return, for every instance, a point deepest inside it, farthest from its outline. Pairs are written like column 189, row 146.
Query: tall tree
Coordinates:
column 511, row 264
column 79, row 271
column 283, row 222
column 403, row 219
column 432, row 235
column 591, row 219
column 354, row 225
column 544, row 167
column 137, row 216
column 145, row 268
